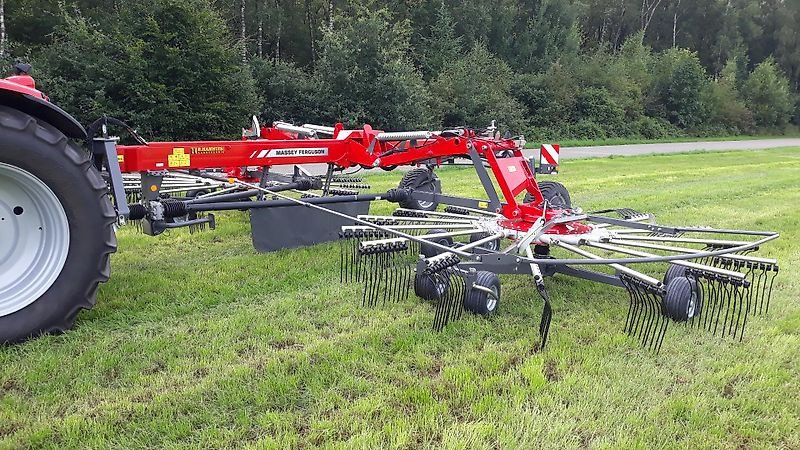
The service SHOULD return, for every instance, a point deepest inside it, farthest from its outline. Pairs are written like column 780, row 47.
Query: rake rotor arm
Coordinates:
column 626, row 270
column 687, row 264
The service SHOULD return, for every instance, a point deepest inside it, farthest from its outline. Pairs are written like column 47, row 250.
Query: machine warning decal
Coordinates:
column 208, row 150
column 179, row 158
column 121, row 158
column 290, row 152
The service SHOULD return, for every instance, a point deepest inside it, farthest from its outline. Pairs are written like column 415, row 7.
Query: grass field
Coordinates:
column 200, row 342
column 623, row 140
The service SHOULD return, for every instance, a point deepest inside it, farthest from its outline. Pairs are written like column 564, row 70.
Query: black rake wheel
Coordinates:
column 420, row 179
column 492, row 246
column 480, row 301
column 429, row 250
column 682, row 300
column 555, row 193
column 431, row 286
column 673, row 272
column 57, row 228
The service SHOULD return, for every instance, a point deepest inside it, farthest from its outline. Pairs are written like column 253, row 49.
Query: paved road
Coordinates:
column 603, row 151
column 678, row 147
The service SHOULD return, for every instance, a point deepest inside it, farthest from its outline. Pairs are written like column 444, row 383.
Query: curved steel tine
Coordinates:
column 771, row 284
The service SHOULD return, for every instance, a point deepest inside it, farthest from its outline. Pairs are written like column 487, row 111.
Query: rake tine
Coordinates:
column 438, row 318
column 650, row 337
column 646, row 314
column 701, row 286
column 759, row 290
column 771, row 284
column 367, row 283
column 635, row 307
column 740, row 300
column 729, row 294
column 722, row 294
column 629, row 317
column 547, row 315
column 712, row 300
column 641, row 311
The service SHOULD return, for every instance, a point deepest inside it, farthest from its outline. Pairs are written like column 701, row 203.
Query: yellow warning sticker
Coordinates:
column 179, row 158
column 121, row 158
column 483, row 205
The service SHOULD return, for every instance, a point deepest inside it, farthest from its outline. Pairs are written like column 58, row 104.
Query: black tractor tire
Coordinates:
column 491, row 246
column 428, row 250
column 480, row 302
column 43, row 152
column 555, row 193
column 683, row 299
column 431, row 287
column 420, row 179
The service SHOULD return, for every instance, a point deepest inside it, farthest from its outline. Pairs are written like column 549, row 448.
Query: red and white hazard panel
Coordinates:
column 549, row 154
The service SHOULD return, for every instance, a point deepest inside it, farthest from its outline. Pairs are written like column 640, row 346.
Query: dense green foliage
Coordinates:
column 551, row 69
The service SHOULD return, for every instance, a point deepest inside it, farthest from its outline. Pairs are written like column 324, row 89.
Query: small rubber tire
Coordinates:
column 430, row 287
column 420, row 179
column 555, row 193
column 683, row 299
column 489, row 247
column 44, row 152
column 193, row 194
column 480, row 302
column 673, row 272
column 429, row 251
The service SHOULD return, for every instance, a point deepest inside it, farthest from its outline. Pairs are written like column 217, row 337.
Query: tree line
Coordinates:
column 547, row 68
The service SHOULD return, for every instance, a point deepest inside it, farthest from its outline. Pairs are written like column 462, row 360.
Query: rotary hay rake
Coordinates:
column 59, row 204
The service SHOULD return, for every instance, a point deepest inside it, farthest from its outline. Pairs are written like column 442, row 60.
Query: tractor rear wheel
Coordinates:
column 57, row 228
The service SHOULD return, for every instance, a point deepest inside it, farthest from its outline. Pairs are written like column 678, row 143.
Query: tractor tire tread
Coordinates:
column 18, row 122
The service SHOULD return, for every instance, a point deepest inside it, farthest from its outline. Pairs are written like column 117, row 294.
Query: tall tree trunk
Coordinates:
column 620, row 25
column 243, row 30
column 278, row 30
column 649, row 8
column 675, row 24
column 260, row 36
column 330, row 14
column 310, row 30
column 2, row 28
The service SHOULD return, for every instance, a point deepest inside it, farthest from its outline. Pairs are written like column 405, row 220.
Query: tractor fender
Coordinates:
column 32, row 102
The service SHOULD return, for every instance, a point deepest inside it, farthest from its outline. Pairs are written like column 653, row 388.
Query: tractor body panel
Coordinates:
column 19, row 92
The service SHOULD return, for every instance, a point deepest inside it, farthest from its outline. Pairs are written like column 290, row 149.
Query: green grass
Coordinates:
column 624, row 141
column 200, row 342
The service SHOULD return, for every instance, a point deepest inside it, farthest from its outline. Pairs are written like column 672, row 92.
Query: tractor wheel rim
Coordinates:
column 491, row 300
column 35, row 238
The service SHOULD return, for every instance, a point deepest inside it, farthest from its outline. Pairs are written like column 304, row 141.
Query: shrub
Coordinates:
column 727, row 112
column 476, row 90
column 653, row 128
column 287, row 92
column 766, row 93
column 678, row 82
column 597, row 106
column 166, row 66
column 365, row 73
